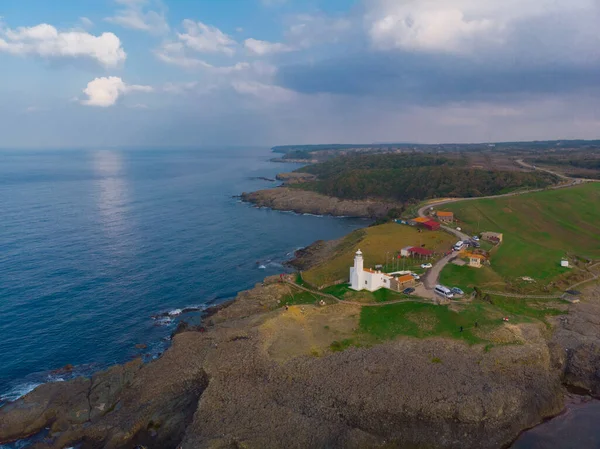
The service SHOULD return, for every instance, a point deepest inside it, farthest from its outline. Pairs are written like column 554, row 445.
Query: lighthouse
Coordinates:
column 357, row 272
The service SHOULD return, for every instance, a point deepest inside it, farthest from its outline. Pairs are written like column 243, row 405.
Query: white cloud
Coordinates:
column 46, row 41
column 175, row 53
column 266, row 92
column 461, row 26
column 106, row 91
column 206, row 38
column 135, row 16
column 262, row 48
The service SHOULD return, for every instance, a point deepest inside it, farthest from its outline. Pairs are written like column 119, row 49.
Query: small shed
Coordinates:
column 494, row 237
column 431, row 225
column 475, row 260
column 402, row 282
column 417, row 251
column 445, row 217
column 564, row 263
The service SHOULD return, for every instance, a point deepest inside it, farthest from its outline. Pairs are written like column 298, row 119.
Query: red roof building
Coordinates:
column 431, row 225
column 422, row 252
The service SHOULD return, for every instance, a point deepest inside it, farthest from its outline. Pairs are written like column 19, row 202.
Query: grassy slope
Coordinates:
column 539, row 229
column 375, row 242
column 427, row 320
column 466, row 277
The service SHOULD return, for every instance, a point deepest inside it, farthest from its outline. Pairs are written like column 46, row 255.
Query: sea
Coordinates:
column 102, row 251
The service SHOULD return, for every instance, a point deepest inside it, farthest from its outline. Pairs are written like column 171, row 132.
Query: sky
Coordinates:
column 91, row 73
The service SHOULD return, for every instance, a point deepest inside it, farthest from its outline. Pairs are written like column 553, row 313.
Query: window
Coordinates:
column 366, row 282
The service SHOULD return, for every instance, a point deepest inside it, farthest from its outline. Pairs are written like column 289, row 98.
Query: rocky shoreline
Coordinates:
column 258, row 375
column 308, row 202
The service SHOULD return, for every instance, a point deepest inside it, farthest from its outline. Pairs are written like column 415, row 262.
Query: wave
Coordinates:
column 31, row 382
column 313, row 215
column 19, row 391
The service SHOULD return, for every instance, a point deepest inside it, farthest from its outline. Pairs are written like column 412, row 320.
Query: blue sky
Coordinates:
column 89, row 73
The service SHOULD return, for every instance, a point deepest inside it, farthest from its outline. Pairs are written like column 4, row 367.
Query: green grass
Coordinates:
column 337, row 290
column 539, row 229
column 466, row 278
column 377, row 243
column 299, row 298
column 423, row 320
column 528, row 310
column 342, row 291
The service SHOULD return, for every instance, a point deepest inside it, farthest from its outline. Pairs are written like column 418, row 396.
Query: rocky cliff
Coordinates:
column 262, row 376
column 307, row 202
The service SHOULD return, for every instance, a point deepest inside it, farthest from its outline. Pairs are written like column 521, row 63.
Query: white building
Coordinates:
column 365, row 279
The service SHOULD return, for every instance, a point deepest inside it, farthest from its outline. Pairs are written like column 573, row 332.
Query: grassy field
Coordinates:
column 466, row 278
column 480, row 320
column 343, row 292
column 539, row 229
column 377, row 243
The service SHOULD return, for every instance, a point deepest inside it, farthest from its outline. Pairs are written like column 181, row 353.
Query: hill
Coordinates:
column 539, row 229
column 414, row 177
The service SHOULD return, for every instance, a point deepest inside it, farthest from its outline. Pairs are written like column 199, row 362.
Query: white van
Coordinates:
column 443, row 291
column 459, row 245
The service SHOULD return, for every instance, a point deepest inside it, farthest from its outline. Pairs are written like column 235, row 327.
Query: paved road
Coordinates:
column 431, row 278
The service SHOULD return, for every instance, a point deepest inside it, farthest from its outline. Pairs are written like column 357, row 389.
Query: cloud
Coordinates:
column 469, row 26
column 85, row 23
column 265, row 92
column 46, row 41
column 204, row 38
column 262, row 48
column 175, row 53
column 106, row 91
column 135, row 16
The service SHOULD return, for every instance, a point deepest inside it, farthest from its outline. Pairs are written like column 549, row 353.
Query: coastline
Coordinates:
column 236, row 347
column 307, row 202
column 526, row 383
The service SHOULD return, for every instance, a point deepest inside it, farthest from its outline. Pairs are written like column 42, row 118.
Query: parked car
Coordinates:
column 416, row 276
column 408, row 291
column 476, row 238
column 426, row 266
column 457, row 291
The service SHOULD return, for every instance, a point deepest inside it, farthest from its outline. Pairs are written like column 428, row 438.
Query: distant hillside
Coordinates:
column 413, row 177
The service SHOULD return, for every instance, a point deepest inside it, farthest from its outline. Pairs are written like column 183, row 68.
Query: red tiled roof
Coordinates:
column 421, row 251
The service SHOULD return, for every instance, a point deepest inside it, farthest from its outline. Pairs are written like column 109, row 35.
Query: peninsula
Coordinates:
column 314, row 359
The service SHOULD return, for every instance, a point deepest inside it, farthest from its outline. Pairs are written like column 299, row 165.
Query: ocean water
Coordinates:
column 94, row 243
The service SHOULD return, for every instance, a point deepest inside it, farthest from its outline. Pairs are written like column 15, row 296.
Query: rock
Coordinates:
column 578, row 340
column 307, row 202
column 221, row 389
column 295, row 178
column 312, row 255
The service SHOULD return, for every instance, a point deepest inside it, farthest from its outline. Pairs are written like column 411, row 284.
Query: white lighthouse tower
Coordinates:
column 357, row 272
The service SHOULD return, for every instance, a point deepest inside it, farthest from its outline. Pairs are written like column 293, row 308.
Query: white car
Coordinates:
column 416, row 276
column 426, row 266
column 476, row 238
